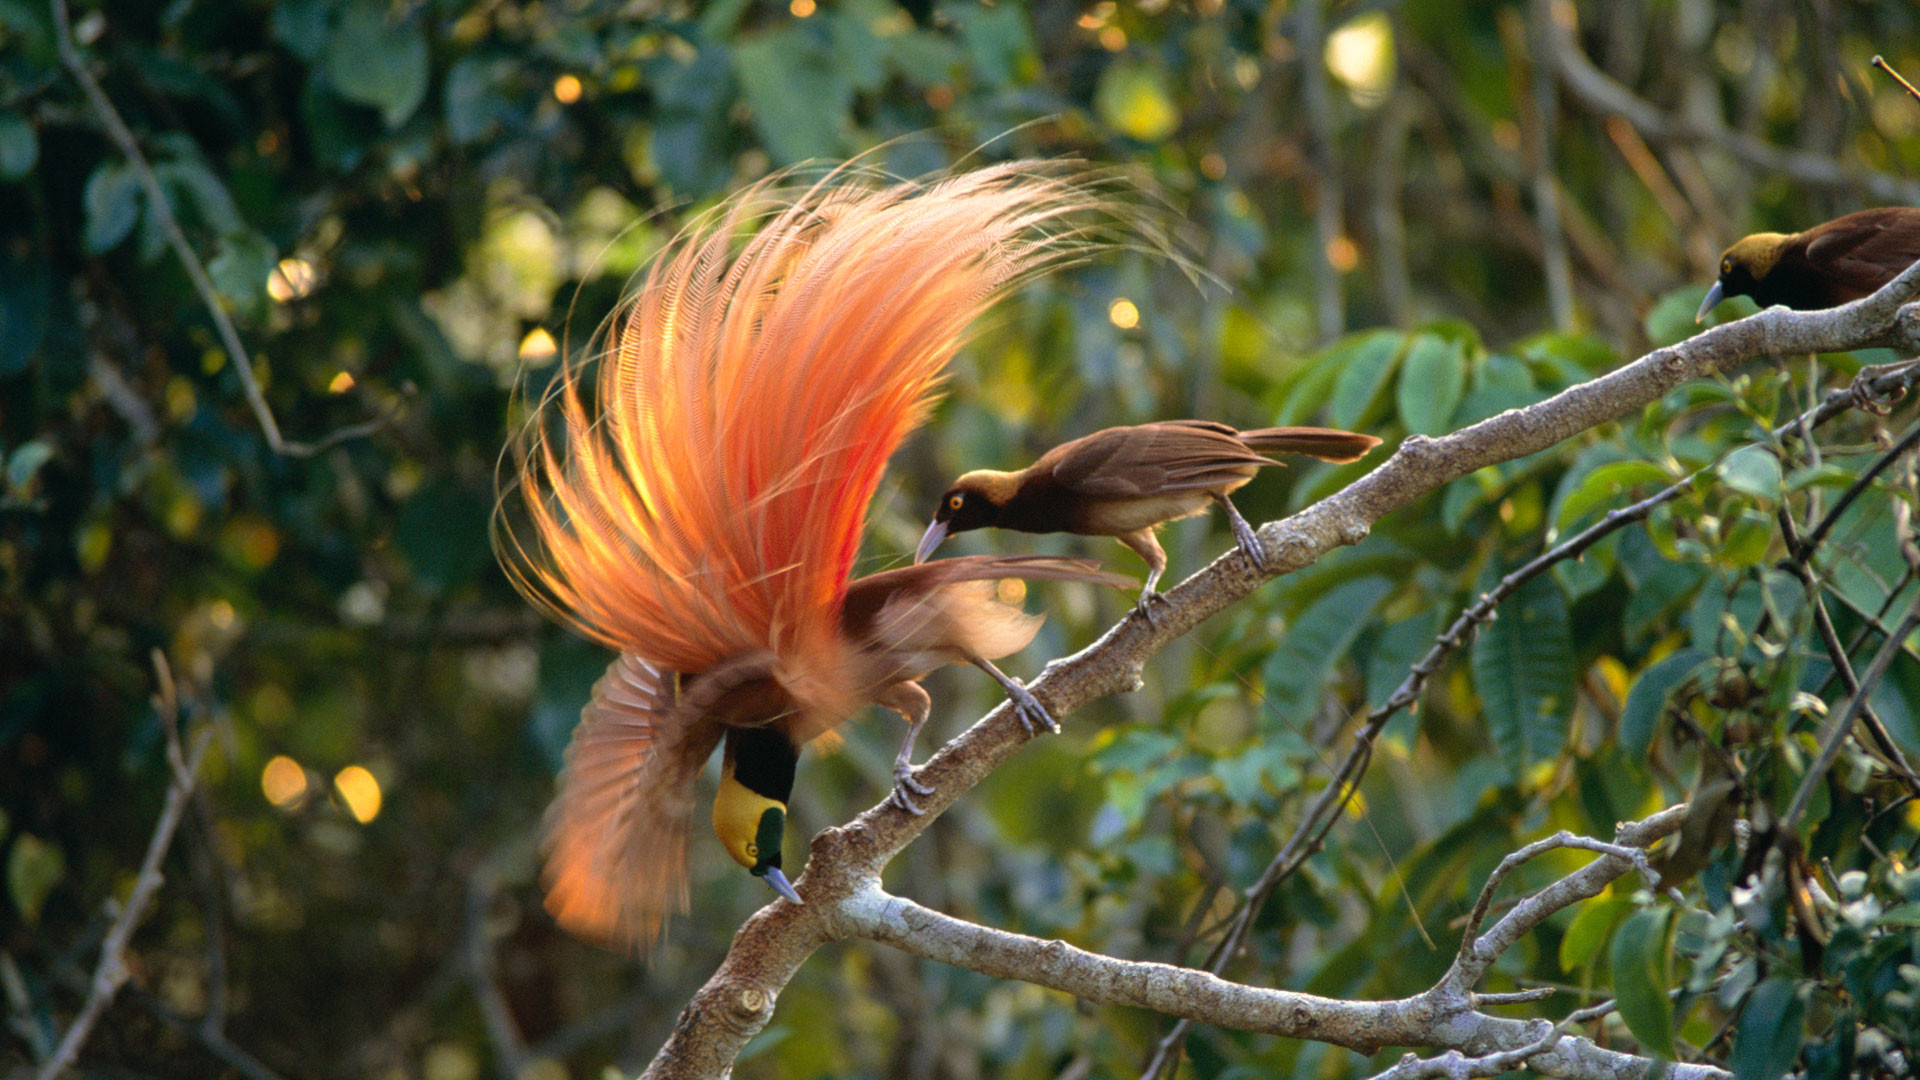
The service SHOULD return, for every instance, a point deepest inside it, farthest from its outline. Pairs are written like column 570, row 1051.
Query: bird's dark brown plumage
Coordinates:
column 1830, row 264
column 1126, row 481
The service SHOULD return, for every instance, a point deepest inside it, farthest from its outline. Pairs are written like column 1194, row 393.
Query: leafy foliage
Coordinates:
column 391, row 199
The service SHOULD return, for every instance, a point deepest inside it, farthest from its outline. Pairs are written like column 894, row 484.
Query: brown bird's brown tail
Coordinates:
column 1327, row 444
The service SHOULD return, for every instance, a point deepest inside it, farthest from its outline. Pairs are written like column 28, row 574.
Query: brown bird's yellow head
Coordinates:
column 750, row 809
column 1743, row 267
column 973, row 502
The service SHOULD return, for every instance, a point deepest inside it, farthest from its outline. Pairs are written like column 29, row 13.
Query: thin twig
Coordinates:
column 112, row 971
column 1321, row 815
column 1453, row 1065
column 1881, row 63
column 162, row 211
column 1837, row 732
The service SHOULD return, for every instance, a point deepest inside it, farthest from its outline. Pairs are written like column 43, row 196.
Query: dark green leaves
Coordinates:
column 1770, row 1031
column 1640, row 985
column 799, row 95
column 1649, row 696
column 377, row 61
column 1298, row 670
column 19, row 146
column 1432, row 378
column 1523, row 667
column 113, row 205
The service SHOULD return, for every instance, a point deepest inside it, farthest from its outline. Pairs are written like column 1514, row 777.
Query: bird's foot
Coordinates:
column 1144, row 609
column 1864, row 395
column 1249, row 542
column 1033, row 715
column 905, row 787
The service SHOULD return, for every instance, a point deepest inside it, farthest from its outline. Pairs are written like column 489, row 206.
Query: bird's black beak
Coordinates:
column 779, row 882
column 1714, row 296
column 936, row 532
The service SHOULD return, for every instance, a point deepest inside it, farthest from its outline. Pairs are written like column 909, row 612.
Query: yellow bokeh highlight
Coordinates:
column 803, row 8
column 290, row 280
column 283, row 781
column 1123, row 314
column 567, row 89
column 1011, row 591
column 360, row 791
column 221, row 615
column 538, row 345
column 341, row 383
column 1360, row 55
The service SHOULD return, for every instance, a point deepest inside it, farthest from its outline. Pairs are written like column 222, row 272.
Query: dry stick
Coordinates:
column 162, row 212
column 1325, row 809
column 737, row 1002
column 1601, row 93
column 1881, row 63
column 112, row 972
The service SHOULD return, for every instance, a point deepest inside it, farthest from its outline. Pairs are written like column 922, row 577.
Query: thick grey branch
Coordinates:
column 737, row 1001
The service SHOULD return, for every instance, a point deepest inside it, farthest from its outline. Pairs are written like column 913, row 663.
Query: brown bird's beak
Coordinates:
column 780, row 883
column 936, row 532
column 1714, row 296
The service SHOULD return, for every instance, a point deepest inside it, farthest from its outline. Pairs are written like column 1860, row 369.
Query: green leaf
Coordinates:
column 1770, row 1033
column 19, row 145
column 240, row 270
column 371, row 61
column 1589, row 930
column 1648, row 698
column 112, row 199
column 1363, row 375
column 1300, row 666
column 1639, row 961
column 1132, row 99
column 1523, row 668
column 33, row 869
column 1752, row 470
column 1605, row 486
column 800, row 98
column 1431, row 382
column 26, row 461
column 1671, row 319
column 1000, row 43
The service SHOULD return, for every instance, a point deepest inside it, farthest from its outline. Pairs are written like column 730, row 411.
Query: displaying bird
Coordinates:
column 1124, row 482
column 1830, row 264
column 697, row 506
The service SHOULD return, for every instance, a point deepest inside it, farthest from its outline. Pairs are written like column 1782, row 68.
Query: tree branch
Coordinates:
column 737, row 1001
column 111, row 973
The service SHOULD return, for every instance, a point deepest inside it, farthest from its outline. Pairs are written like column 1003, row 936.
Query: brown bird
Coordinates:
column 1830, row 264
column 698, row 506
column 1124, row 482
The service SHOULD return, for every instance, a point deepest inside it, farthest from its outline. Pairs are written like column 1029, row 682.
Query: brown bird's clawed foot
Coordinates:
column 905, row 787
column 1243, row 533
column 1864, row 395
column 1033, row 715
column 1149, row 597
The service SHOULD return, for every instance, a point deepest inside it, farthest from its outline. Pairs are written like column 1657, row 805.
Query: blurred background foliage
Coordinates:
column 1418, row 214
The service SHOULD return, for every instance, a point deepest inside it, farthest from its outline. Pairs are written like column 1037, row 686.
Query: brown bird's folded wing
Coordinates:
column 1861, row 252
column 1152, row 458
column 616, row 837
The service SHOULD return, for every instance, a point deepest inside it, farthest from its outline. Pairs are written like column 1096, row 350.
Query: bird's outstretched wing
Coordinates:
column 616, row 837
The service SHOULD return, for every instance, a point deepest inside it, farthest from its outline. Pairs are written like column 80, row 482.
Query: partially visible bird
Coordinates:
column 1830, row 264
column 1124, row 482
column 697, row 506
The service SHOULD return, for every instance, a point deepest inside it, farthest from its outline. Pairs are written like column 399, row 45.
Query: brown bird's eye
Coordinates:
column 753, row 850
column 953, row 503
column 1726, row 266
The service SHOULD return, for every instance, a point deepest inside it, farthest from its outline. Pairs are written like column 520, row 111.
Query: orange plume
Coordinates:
column 711, row 501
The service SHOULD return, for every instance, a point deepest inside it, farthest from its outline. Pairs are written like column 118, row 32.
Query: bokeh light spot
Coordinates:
column 1124, row 314
column 360, row 791
column 566, row 89
column 283, row 781
column 538, row 346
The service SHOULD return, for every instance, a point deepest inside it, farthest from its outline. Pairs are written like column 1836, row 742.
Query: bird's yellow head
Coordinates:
column 750, row 809
column 973, row 502
column 1743, row 266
